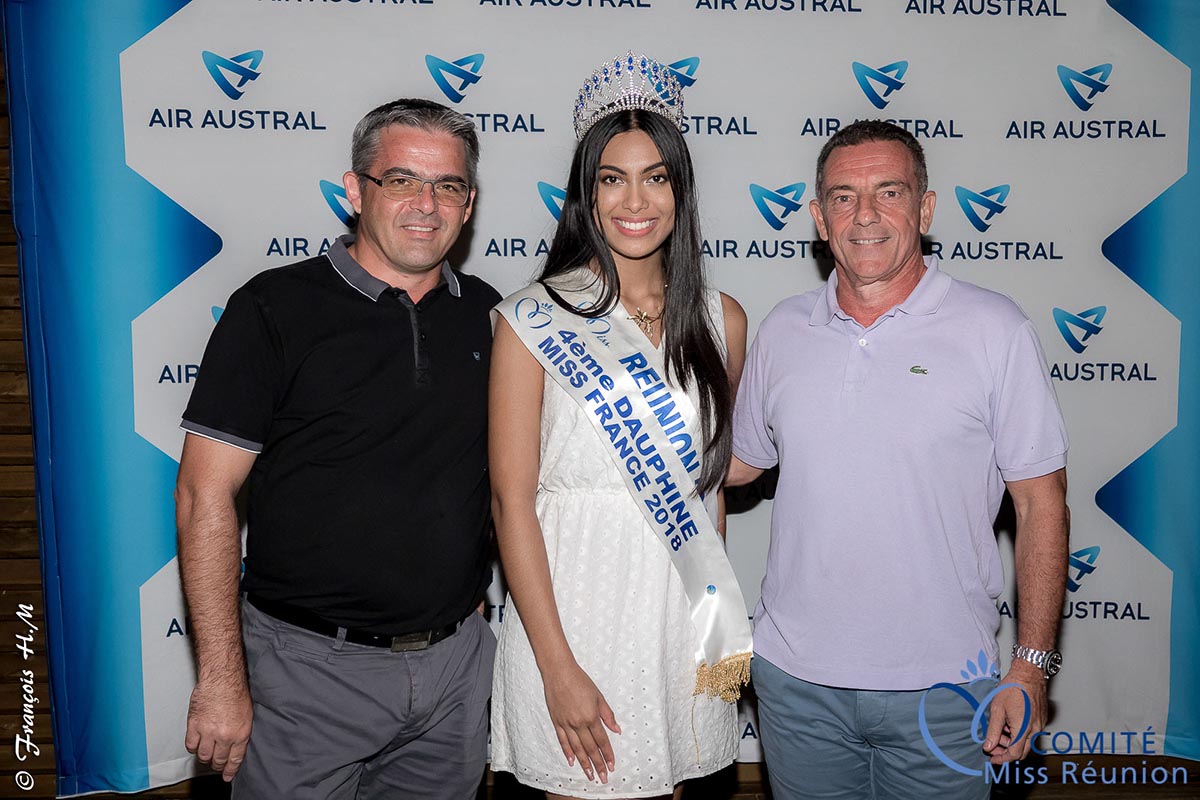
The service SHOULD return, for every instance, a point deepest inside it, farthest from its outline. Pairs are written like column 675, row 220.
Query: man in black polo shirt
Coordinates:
column 350, row 390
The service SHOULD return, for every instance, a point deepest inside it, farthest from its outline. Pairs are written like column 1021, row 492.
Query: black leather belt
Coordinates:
column 303, row 618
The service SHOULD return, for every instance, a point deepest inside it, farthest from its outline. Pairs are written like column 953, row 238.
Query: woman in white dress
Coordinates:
column 596, row 691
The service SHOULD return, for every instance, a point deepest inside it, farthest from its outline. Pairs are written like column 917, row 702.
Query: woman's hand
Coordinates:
column 577, row 709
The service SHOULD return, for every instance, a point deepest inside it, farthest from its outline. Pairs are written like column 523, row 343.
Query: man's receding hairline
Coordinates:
column 905, row 182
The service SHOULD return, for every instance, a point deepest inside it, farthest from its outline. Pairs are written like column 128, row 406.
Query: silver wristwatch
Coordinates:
column 1048, row 661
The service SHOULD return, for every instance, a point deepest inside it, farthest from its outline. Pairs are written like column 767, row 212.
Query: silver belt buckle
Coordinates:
column 411, row 641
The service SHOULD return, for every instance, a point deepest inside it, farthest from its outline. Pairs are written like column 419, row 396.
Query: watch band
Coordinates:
column 1048, row 661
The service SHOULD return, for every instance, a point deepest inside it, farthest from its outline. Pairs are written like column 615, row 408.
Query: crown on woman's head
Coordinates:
column 629, row 81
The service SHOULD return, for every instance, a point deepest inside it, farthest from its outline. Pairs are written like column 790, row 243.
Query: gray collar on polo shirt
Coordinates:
column 926, row 298
column 353, row 273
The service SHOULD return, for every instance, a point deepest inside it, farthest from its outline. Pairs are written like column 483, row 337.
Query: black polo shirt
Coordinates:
column 368, row 502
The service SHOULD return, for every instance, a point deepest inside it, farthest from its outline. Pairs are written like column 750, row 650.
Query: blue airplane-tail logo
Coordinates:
column 339, row 204
column 685, row 70
column 243, row 68
column 553, row 197
column 464, row 70
column 990, row 201
column 1093, row 81
column 1086, row 322
column 887, row 78
column 786, row 198
column 1082, row 563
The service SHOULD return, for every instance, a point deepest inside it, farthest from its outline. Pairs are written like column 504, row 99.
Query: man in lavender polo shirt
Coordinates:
column 899, row 404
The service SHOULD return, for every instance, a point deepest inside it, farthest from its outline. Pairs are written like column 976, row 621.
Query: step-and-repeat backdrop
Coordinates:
column 165, row 151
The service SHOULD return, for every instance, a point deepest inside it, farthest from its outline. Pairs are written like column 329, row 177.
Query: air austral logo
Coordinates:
column 1076, row 329
column 776, row 207
column 981, row 208
column 796, row 7
column 887, row 78
column 454, row 78
column 989, row 201
column 231, row 75
column 242, row 68
column 685, row 70
column 1081, row 564
column 880, row 85
column 1092, row 81
column 339, row 204
column 985, row 8
column 553, row 197
column 1098, row 606
column 527, row 246
column 463, row 71
column 785, row 198
column 292, row 247
column 1083, row 88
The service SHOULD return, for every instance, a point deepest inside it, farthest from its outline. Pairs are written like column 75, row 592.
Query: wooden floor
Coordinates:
column 745, row 782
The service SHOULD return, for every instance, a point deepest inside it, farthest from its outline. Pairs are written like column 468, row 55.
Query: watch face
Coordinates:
column 1053, row 663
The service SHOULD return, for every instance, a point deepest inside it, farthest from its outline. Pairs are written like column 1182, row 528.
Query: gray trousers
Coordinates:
column 344, row 721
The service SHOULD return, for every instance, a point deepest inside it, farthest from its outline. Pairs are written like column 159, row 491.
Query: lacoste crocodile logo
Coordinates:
column 918, row 370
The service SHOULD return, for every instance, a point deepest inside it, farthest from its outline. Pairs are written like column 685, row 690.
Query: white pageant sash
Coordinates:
column 652, row 433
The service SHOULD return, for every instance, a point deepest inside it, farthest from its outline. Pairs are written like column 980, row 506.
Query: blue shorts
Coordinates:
column 851, row 744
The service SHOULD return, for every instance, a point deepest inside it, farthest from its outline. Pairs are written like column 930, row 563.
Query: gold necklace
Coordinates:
column 644, row 320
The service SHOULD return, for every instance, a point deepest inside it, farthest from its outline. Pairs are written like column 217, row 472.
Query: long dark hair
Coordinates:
column 690, row 346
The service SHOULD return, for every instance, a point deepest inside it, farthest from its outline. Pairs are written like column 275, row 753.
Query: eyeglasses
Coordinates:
column 409, row 187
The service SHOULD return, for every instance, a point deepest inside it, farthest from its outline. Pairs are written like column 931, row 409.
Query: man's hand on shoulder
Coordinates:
column 218, row 724
column 1013, row 709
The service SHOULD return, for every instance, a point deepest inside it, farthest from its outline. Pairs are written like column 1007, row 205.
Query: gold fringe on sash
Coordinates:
column 726, row 679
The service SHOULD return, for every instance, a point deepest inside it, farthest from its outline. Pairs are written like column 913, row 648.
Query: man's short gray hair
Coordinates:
column 874, row 130
column 415, row 113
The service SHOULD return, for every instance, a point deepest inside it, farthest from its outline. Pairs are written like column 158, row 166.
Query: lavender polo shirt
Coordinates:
column 894, row 443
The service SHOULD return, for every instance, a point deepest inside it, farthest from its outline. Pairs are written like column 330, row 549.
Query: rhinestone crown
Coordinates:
column 629, row 81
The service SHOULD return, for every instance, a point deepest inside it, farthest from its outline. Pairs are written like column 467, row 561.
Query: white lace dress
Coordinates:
column 628, row 623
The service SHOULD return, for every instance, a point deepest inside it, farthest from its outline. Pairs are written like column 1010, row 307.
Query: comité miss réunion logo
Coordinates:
column 976, row 670
column 1081, row 87
column 1082, row 563
column 455, row 77
column 878, row 83
column 231, row 74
